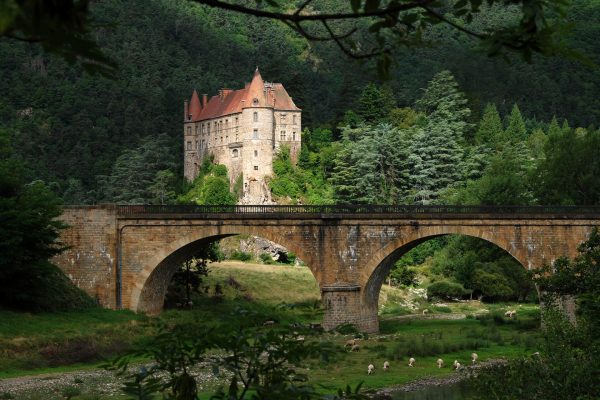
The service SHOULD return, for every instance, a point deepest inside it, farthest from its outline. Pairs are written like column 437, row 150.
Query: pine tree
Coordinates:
column 375, row 104
column 490, row 132
column 554, row 128
column 436, row 156
column 516, row 131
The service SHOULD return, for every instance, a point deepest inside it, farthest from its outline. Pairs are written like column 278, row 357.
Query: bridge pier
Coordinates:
column 343, row 305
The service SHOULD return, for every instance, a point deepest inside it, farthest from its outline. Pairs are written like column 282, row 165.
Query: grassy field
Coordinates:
column 73, row 341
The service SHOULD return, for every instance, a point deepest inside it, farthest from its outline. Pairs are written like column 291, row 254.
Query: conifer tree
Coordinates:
column 516, row 131
column 435, row 153
column 490, row 130
column 375, row 104
column 554, row 128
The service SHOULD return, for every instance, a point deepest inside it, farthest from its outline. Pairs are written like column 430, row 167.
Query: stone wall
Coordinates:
column 91, row 260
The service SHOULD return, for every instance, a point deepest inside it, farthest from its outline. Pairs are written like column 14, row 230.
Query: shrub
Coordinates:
column 240, row 256
column 266, row 258
column 446, row 290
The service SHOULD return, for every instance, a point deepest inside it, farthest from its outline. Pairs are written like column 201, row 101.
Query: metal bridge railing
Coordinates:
column 125, row 210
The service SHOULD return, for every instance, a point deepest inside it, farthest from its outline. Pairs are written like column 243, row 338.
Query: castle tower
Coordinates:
column 242, row 129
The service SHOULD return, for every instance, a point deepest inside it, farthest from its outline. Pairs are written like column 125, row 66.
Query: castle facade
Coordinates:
column 243, row 130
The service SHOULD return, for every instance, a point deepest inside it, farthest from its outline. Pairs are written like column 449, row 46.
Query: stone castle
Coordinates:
column 243, row 130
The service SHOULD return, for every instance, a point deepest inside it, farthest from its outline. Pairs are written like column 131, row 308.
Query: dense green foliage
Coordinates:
column 28, row 234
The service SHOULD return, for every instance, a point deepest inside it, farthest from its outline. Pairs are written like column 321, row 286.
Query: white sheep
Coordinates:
column 356, row 347
column 350, row 342
column 386, row 366
column 411, row 362
column 510, row 313
column 370, row 369
column 457, row 365
column 425, row 311
column 474, row 358
column 440, row 363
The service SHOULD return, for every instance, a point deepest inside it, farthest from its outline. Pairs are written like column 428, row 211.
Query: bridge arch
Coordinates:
column 161, row 260
column 383, row 260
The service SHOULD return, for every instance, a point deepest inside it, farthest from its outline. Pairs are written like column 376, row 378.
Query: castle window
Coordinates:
column 189, row 145
column 203, row 143
column 208, row 128
column 221, row 139
column 282, row 136
column 197, row 145
column 255, row 134
column 294, row 119
column 293, row 135
column 234, row 153
column 236, row 137
column 189, row 130
column 196, row 130
column 236, row 121
column 255, row 153
column 226, row 139
column 255, row 116
column 255, row 101
column 226, row 124
column 283, row 118
column 256, row 167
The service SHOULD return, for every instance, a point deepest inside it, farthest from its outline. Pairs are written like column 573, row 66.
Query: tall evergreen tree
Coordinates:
column 490, row 131
column 435, row 152
column 516, row 131
column 375, row 103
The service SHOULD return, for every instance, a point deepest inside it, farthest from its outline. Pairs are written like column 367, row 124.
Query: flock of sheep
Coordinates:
column 354, row 346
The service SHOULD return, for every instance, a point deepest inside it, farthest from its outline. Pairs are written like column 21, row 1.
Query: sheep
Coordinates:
column 456, row 365
column 425, row 311
column 386, row 366
column 350, row 342
column 510, row 313
column 474, row 358
column 411, row 362
column 356, row 347
column 370, row 369
column 269, row 323
column 440, row 363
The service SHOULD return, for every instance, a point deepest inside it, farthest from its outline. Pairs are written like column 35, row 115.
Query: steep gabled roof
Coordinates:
column 195, row 108
column 257, row 93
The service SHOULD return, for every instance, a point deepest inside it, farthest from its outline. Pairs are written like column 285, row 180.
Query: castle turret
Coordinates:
column 195, row 108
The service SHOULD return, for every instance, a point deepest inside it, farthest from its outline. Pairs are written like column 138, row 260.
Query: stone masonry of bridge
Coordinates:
column 127, row 261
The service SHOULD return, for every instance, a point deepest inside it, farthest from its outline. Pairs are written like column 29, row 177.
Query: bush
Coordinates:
column 240, row 256
column 446, row 290
column 266, row 258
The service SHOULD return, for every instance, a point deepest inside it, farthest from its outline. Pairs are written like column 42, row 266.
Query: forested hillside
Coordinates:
column 91, row 138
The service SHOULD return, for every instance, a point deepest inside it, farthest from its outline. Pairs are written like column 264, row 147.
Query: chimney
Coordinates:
column 204, row 100
column 186, row 114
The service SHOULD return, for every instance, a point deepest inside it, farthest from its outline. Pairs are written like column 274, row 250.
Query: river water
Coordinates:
column 457, row 391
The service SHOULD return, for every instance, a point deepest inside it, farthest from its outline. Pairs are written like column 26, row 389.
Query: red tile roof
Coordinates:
column 257, row 93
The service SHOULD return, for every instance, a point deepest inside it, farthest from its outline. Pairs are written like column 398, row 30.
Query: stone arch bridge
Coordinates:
column 125, row 256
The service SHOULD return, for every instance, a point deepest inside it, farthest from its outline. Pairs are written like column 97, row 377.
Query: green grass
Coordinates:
column 35, row 343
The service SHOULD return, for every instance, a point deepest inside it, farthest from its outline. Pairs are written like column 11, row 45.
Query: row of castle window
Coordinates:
column 218, row 125
column 282, row 137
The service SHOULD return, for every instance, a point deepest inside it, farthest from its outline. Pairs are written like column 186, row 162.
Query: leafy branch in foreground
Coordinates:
column 403, row 22
column 257, row 362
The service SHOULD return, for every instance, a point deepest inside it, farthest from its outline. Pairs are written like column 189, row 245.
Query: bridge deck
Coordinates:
column 356, row 211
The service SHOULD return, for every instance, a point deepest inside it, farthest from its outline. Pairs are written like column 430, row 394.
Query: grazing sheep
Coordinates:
column 425, row 311
column 370, row 369
column 269, row 323
column 386, row 366
column 350, row 342
column 510, row 313
column 474, row 358
column 356, row 347
column 456, row 365
column 440, row 363
column 411, row 362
